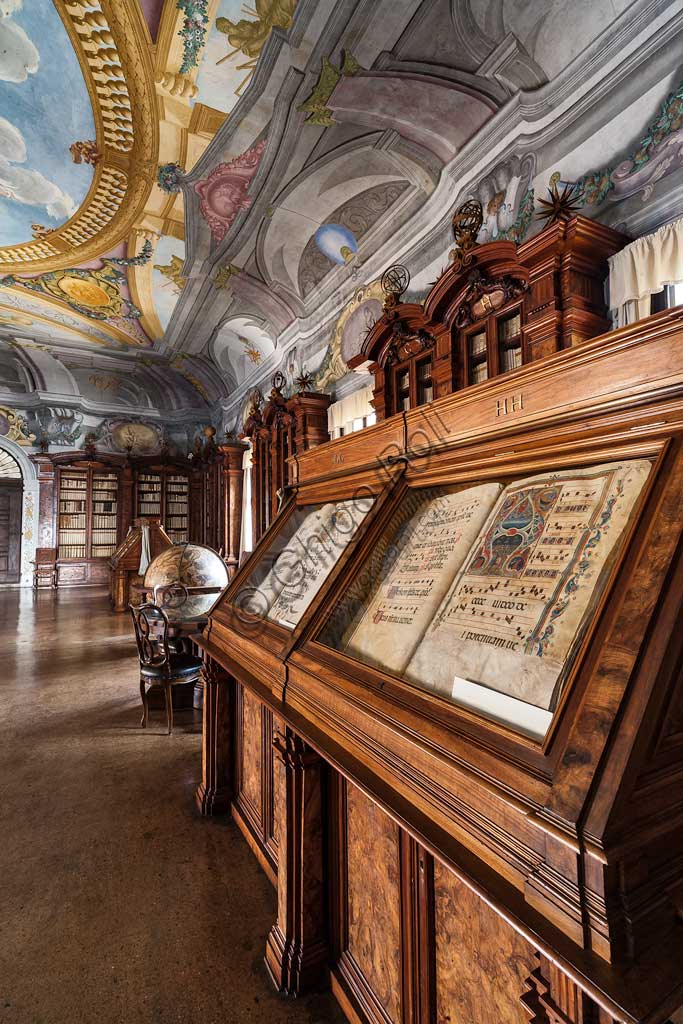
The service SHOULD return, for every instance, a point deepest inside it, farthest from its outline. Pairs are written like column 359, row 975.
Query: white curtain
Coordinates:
column 246, row 538
column 351, row 413
column 643, row 268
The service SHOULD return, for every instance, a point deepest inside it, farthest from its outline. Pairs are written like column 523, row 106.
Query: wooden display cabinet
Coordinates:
column 477, row 869
column 277, row 431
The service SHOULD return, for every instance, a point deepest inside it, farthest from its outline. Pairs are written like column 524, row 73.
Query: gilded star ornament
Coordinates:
column 560, row 205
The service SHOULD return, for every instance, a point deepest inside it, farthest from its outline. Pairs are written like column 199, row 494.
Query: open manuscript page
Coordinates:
column 430, row 548
column 527, row 588
column 309, row 557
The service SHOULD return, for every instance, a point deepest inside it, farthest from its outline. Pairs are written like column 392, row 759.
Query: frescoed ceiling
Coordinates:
column 202, row 188
column 47, row 110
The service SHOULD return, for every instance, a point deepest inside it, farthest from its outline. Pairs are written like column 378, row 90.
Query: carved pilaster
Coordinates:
column 214, row 793
column 233, row 476
column 297, row 950
column 309, row 409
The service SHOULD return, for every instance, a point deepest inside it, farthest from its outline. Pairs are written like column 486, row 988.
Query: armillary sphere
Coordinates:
column 467, row 222
column 395, row 280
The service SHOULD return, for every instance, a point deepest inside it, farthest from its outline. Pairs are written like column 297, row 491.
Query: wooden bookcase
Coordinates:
column 88, row 522
column 505, row 306
column 163, row 493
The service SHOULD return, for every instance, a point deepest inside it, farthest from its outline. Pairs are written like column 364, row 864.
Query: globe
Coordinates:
column 191, row 575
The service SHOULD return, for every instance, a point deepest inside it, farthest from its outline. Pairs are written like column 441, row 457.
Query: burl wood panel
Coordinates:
column 374, row 913
column 481, row 963
column 251, row 751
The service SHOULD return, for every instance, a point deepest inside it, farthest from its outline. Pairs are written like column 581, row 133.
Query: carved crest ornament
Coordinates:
column 223, row 194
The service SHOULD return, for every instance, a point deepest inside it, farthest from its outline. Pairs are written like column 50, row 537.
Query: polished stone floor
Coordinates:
column 118, row 904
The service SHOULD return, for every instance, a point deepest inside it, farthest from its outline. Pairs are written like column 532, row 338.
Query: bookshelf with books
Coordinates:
column 87, row 521
column 176, row 510
column 162, row 492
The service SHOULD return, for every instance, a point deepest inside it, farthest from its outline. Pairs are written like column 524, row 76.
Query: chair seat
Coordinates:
column 184, row 667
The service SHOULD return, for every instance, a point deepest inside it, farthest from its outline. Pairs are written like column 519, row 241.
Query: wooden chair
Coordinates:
column 158, row 664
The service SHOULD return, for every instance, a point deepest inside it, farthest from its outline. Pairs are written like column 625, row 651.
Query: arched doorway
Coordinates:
column 11, row 489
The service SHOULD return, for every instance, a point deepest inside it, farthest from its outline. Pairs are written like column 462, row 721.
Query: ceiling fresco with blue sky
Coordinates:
column 44, row 109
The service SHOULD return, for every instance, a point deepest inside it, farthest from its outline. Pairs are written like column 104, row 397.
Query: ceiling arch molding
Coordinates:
column 334, row 181
column 441, row 116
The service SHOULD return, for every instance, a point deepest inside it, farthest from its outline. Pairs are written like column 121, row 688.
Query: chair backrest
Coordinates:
column 151, row 633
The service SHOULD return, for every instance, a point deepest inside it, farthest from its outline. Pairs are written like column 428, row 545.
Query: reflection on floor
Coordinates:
column 118, row 904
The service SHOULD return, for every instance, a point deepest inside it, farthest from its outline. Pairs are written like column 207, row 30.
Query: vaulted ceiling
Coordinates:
column 192, row 190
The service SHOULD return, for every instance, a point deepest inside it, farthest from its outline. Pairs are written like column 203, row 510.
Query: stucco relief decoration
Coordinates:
column 57, row 426
column 97, row 294
column 659, row 152
column 136, row 436
column 223, row 194
column 14, row 427
column 355, row 321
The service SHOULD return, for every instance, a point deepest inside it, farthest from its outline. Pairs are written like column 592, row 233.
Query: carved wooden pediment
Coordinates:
column 484, row 295
column 403, row 343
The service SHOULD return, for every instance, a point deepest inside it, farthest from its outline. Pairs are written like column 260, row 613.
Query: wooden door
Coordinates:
column 10, row 532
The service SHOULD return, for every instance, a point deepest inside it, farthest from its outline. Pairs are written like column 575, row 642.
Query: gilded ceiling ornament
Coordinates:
column 94, row 293
column 560, row 205
column 113, row 50
column 15, row 428
column 249, row 35
column 250, row 350
column 221, row 278
column 316, row 105
column 40, row 231
column 172, row 271
column 348, row 335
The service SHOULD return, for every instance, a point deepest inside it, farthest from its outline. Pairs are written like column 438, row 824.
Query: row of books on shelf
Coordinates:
column 106, row 522
column 71, row 521
column 509, row 328
column 176, row 508
column 72, row 550
column 149, row 508
column 73, row 483
column 71, row 506
column 104, row 537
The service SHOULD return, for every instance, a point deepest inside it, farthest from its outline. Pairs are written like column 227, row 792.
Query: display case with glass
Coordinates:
column 304, row 551
column 482, row 593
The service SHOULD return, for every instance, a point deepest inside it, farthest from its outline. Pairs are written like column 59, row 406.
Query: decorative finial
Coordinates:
column 304, row 382
column 560, row 205
column 394, row 284
column 466, row 223
column 278, row 381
